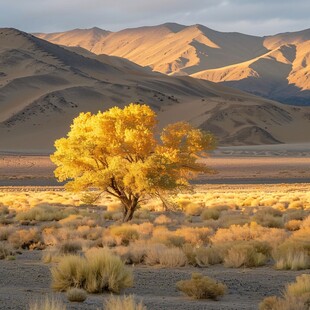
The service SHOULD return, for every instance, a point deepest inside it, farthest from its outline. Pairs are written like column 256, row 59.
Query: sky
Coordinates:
column 256, row 17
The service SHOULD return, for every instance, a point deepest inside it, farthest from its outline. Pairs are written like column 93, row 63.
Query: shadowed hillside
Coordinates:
column 275, row 67
column 43, row 86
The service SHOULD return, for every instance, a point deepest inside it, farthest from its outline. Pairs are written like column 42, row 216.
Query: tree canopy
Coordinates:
column 117, row 152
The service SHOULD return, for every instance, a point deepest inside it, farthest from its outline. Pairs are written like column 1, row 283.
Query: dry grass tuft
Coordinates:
column 295, row 297
column 200, row 287
column 5, row 251
column 26, row 239
column 292, row 255
column 124, row 234
column 247, row 254
column 162, row 220
column 195, row 235
column 123, row 303
column 99, row 271
column 43, row 213
column 47, row 304
column 76, row 295
column 70, row 247
column 210, row 214
column 5, row 232
column 159, row 254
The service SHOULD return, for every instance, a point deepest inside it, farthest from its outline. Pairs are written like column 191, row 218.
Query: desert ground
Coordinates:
column 284, row 163
column 232, row 212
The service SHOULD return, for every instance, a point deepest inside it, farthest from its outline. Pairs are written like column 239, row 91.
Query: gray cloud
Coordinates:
column 260, row 17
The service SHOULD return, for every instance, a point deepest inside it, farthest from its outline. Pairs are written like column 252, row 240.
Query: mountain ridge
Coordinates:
column 200, row 51
column 43, row 86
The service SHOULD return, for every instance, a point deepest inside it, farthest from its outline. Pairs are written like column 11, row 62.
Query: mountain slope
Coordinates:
column 246, row 62
column 43, row 86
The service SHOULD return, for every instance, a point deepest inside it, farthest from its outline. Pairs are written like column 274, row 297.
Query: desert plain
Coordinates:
column 259, row 198
column 241, row 233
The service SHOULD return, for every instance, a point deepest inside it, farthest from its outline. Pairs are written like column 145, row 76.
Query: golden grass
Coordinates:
column 124, row 234
column 25, row 239
column 5, row 251
column 43, row 212
column 214, row 221
column 200, row 287
column 48, row 303
column 292, row 255
column 5, row 232
column 76, row 295
column 123, row 303
column 296, row 296
column 247, row 254
column 162, row 220
column 99, row 271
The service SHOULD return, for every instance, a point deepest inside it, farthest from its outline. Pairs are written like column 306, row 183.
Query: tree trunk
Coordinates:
column 130, row 207
column 128, row 214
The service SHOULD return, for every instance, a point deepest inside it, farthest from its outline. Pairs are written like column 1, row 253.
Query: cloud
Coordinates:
column 260, row 17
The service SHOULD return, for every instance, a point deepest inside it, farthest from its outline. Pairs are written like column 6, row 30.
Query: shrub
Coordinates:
column 231, row 218
column 295, row 215
column 5, row 232
column 70, row 247
column 114, row 206
column 137, row 252
column 124, row 234
column 194, row 235
column 43, row 213
column 208, row 256
column 193, row 209
column 47, row 304
column 210, row 214
column 247, row 254
column 292, row 255
column 300, row 288
column 293, row 225
column 173, row 257
column 5, row 251
column 236, row 232
column 162, row 219
column 163, row 235
column 99, row 271
column 200, row 287
column 295, row 297
column 190, row 254
column 247, row 232
column 76, row 295
column 269, row 217
column 142, row 214
column 50, row 255
column 123, row 303
column 4, row 210
column 25, row 239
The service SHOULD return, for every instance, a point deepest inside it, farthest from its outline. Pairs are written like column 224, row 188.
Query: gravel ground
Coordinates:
column 27, row 279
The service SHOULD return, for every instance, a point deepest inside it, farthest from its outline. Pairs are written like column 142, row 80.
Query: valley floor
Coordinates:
column 27, row 279
column 234, row 165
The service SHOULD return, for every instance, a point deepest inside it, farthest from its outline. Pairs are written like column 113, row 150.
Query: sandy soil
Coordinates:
column 274, row 164
column 28, row 279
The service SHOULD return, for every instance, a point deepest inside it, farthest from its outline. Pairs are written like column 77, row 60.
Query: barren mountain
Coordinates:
column 276, row 67
column 43, row 86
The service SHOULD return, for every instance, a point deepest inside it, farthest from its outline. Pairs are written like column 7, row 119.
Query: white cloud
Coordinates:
column 260, row 17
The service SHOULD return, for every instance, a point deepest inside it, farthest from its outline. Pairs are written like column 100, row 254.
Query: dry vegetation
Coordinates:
column 296, row 296
column 88, row 246
column 200, row 287
column 122, row 303
column 48, row 303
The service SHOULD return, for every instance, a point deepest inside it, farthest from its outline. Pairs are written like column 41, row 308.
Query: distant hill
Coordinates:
column 43, row 86
column 276, row 67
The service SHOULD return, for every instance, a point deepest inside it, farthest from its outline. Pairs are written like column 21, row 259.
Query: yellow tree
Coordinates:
column 117, row 152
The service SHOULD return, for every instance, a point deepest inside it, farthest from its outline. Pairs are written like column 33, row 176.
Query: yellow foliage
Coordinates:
column 116, row 151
